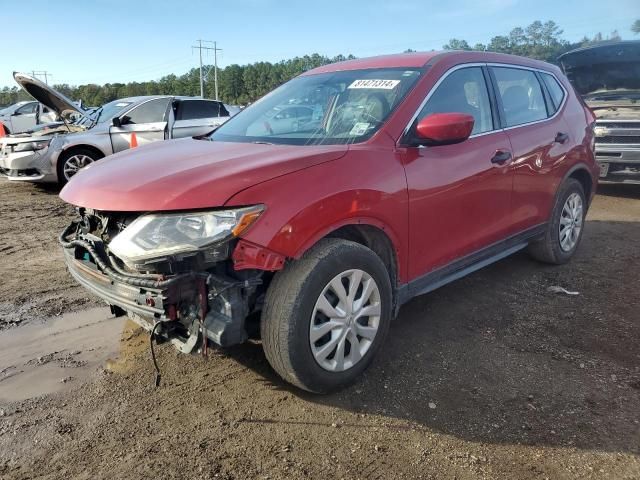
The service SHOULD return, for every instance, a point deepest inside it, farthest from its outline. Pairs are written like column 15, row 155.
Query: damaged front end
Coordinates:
column 171, row 273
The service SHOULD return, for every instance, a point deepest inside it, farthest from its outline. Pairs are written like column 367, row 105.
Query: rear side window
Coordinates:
column 152, row 111
column 462, row 91
column 555, row 90
column 194, row 109
column 521, row 94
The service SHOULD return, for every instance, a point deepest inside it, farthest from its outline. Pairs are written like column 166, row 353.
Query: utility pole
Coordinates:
column 215, row 67
column 215, row 49
column 44, row 73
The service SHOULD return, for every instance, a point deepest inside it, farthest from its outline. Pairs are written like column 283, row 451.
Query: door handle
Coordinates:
column 561, row 137
column 501, row 157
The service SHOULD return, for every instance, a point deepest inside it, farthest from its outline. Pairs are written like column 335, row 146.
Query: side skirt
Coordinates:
column 468, row 264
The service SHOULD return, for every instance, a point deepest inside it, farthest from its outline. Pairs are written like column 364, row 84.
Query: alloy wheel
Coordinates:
column 570, row 222
column 345, row 320
column 74, row 164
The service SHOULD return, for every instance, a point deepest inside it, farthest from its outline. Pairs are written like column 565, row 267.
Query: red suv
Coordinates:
column 314, row 214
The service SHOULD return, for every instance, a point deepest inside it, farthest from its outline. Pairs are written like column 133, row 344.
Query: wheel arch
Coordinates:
column 372, row 234
column 82, row 146
column 67, row 150
column 582, row 174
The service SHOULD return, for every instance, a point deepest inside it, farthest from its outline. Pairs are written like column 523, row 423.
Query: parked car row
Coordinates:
column 56, row 152
column 24, row 116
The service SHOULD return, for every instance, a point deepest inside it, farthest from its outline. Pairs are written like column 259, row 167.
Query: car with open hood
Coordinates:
column 23, row 116
column 420, row 169
column 87, row 135
column 608, row 78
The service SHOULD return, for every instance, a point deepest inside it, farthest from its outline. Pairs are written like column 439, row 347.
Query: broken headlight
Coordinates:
column 157, row 235
column 31, row 146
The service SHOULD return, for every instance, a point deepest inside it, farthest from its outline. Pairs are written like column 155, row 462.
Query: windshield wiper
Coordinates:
column 98, row 112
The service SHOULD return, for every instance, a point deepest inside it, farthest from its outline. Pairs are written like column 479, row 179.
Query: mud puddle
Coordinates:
column 39, row 359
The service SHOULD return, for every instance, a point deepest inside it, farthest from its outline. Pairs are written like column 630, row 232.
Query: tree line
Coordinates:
column 242, row 84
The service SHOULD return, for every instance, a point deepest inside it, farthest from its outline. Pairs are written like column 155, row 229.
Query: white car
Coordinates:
column 24, row 116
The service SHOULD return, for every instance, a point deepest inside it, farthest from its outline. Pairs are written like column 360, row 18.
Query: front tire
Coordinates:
column 71, row 162
column 565, row 228
column 326, row 315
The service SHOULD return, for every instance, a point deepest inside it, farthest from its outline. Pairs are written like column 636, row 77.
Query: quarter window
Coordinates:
column 521, row 94
column 152, row 111
column 555, row 90
column 463, row 91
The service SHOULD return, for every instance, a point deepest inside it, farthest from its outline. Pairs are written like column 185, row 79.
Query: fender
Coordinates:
column 309, row 204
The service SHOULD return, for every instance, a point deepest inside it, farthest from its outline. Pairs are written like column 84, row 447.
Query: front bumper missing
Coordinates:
column 190, row 306
column 146, row 302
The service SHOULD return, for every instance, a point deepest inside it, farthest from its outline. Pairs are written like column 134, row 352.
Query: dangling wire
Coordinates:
column 153, row 353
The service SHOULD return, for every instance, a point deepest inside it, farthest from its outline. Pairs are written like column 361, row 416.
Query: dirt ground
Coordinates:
column 492, row 376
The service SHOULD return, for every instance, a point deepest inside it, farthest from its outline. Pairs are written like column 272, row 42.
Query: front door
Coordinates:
column 459, row 195
column 24, row 118
column 148, row 121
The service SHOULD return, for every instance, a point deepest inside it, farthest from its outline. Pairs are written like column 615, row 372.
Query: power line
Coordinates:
column 44, row 73
column 215, row 50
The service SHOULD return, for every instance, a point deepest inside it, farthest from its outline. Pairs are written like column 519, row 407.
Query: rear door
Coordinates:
column 197, row 117
column 147, row 120
column 25, row 117
column 459, row 195
column 539, row 136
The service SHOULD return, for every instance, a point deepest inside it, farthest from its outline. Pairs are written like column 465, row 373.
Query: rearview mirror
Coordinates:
column 444, row 128
column 116, row 122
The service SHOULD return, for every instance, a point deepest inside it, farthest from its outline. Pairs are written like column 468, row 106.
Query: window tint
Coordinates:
column 463, row 91
column 555, row 90
column 28, row 108
column 194, row 109
column 149, row 112
column 521, row 94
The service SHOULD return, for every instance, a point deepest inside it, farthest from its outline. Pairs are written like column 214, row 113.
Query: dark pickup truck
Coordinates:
column 607, row 76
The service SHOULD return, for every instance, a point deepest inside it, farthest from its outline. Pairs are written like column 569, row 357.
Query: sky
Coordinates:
column 101, row 41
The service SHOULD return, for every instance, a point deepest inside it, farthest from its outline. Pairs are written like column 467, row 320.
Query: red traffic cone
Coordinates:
column 3, row 132
column 134, row 140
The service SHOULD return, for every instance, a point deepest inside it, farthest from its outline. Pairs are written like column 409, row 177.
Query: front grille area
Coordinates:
column 619, row 124
column 618, row 139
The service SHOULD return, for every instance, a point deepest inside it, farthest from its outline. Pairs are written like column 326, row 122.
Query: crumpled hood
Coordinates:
column 186, row 174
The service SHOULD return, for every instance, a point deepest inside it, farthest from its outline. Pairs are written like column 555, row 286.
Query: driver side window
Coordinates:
column 149, row 112
column 29, row 108
column 463, row 91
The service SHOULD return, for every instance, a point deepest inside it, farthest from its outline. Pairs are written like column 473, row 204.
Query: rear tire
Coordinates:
column 298, row 337
column 560, row 242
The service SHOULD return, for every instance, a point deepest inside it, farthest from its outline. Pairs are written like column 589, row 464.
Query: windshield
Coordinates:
column 109, row 110
column 329, row 108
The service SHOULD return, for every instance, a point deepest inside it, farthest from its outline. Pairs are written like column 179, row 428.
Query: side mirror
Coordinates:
column 444, row 128
column 116, row 122
column 16, row 114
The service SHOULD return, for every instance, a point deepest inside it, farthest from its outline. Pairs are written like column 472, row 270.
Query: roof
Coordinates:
column 141, row 98
column 421, row 59
column 400, row 60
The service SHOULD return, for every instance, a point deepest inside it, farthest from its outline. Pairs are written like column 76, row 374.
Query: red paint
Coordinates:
column 249, row 255
column 445, row 127
column 435, row 204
